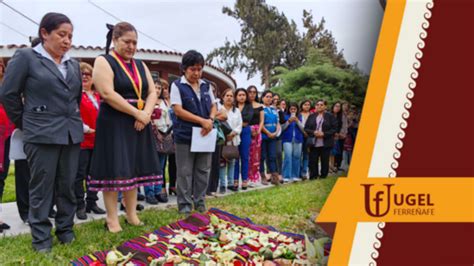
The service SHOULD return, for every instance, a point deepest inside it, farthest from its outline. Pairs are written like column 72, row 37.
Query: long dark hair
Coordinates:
column 293, row 104
column 338, row 115
column 306, row 101
column 256, row 91
column 116, row 32
column 246, row 96
column 50, row 21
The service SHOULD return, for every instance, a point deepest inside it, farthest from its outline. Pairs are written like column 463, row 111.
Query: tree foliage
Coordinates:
column 321, row 78
column 261, row 43
column 269, row 40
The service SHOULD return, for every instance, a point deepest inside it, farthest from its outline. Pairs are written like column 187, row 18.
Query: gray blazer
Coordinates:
column 49, row 113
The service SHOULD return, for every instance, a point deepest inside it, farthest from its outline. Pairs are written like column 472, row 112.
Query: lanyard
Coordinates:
column 134, row 77
column 318, row 125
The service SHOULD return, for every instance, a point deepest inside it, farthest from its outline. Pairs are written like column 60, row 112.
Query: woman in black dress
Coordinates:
column 256, row 126
column 124, row 152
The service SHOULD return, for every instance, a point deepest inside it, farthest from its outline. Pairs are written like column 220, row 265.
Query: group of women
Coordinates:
column 115, row 126
column 281, row 142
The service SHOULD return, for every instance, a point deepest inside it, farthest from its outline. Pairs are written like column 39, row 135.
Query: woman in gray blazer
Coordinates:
column 49, row 81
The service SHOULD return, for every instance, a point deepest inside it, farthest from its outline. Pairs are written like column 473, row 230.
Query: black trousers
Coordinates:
column 172, row 170
column 6, row 166
column 85, row 157
column 53, row 172
column 22, row 180
column 315, row 156
column 279, row 156
column 215, row 166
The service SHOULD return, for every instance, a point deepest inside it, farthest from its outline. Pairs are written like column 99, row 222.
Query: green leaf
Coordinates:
column 310, row 249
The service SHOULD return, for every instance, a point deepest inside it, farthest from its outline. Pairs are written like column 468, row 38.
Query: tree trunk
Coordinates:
column 266, row 77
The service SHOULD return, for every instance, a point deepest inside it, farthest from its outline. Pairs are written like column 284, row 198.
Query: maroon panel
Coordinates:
column 439, row 139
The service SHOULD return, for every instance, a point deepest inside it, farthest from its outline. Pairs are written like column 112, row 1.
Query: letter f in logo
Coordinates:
column 377, row 199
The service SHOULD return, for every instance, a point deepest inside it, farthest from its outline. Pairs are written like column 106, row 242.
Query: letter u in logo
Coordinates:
column 377, row 199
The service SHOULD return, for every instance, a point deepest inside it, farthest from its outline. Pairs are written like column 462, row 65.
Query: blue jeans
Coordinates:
column 304, row 164
column 156, row 189
column 227, row 170
column 292, row 162
column 242, row 164
column 268, row 155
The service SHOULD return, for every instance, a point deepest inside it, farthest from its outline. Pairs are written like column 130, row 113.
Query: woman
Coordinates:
column 89, row 111
column 221, row 116
column 161, row 124
column 124, row 153
column 242, row 164
column 336, row 151
column 321, row 126
column 305, row 106
column 256, row 125
column 6, row 128
column 271, row 127
column 194, row 106
column 51, row 124
column 292, row 143
column 280, row 106
column 171, row 157
column 234, row 119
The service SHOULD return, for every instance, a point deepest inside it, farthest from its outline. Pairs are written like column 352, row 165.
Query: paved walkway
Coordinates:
column 9, row 212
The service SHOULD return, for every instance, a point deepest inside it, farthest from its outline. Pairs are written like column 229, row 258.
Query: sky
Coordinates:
column 182, row 25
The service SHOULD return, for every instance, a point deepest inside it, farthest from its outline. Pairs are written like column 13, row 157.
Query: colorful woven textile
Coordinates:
column 144, row 251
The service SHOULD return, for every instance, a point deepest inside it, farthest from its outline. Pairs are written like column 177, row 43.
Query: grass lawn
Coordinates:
column 287, row 208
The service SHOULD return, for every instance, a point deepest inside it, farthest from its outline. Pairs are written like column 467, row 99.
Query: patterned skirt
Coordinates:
column 255, row 155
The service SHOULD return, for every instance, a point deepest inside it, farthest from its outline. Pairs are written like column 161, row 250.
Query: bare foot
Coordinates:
column 114, row 227
column 133, row 220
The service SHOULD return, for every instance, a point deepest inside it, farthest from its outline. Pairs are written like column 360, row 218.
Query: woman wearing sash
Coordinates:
column 124, row 154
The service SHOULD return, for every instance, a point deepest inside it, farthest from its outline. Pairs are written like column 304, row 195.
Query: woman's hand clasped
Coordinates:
column 142, row 119
column 207, row 125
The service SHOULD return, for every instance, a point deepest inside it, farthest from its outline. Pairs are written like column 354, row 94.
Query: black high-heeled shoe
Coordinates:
column 139, row 207
column 4, row 226
column 172, row 191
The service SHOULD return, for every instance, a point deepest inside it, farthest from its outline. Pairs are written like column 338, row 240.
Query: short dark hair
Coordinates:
column 191, row 58
column 51, row 21
column 321, row 100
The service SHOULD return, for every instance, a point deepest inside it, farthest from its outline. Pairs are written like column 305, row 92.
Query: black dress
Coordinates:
column 123, row 157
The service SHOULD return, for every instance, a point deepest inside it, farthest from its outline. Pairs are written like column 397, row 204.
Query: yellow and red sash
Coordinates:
column 134, row 77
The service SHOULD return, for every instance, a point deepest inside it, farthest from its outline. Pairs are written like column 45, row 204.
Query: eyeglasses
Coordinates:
column 85, row 74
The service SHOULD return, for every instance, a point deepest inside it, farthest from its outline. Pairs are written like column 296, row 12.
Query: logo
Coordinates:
column 379, row 202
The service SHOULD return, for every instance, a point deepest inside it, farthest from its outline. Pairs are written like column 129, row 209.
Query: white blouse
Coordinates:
column 234, row 119
column 164, row 122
